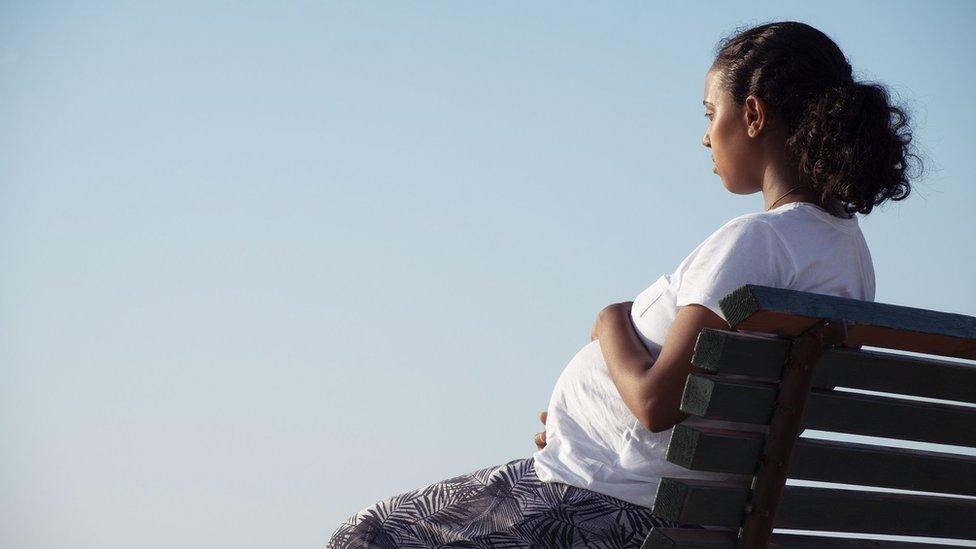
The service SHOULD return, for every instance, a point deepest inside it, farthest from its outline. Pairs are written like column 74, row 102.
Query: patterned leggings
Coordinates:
column 501, row 506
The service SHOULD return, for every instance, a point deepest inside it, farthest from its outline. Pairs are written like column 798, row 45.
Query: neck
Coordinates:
column 777, row 181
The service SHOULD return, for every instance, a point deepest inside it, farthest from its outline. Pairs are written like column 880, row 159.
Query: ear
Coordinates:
column 755, row 115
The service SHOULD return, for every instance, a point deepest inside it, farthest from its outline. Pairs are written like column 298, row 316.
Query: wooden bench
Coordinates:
column 777, row 368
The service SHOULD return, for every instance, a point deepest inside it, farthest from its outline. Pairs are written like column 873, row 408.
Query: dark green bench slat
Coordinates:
column 789, row 312
column 717, row 397
column 688, row 538
column 727, row 352
column 691, row 538
column 735, row 353
column 711, row 449
column 714, row 503
column 714, row 397
column 883, row 466
column 801, row 541
column 835, row 510
column 897, row 418
column 893, row 373
column 695, row 501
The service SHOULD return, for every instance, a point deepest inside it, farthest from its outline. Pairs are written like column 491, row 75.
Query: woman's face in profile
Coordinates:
column 733, row 151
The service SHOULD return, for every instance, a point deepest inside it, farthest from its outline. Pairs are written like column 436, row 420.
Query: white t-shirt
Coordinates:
column 593, row 440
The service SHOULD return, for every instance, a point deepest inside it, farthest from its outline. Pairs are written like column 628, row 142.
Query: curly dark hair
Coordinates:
column 845, row 140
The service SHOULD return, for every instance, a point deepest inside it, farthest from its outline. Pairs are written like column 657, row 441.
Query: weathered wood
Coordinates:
column 743, row 382
column 790, row 312
column 703, row 448
column 690, row 538
column 800, row 541
column 785, row 425
column 894, row 373
column 835, row 510
column 696, row 501
column 714, row 397
column 898, row 418
column 883, row 466
column 717, row 397
column 733, row 353
column 711, row 449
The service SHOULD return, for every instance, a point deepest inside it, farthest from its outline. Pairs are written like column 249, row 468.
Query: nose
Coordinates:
column 706, row 142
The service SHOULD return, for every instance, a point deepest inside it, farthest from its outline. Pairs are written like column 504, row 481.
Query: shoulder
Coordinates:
column 747, row 243
column 745, row 250
column 746, row 227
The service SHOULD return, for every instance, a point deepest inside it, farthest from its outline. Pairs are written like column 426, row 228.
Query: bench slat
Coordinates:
column 713, row 449
column 715, row 503
column 897, row 418
column 696, row 501
column 790, row 312
column 800, row 541
column 686, row 538
column 692, row 538
column 705, row 448
column 883, row 466
column 715, row 397
column 836, row 510
column 734, row 353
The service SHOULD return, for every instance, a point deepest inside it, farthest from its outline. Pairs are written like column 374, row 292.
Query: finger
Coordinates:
column 540, row 440
column 543, row 415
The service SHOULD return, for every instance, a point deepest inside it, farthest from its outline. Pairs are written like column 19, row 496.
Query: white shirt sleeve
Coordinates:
column 746, row 250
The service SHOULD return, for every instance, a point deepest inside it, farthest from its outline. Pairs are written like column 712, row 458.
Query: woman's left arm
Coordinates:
column 627, row 359
column 652, row 394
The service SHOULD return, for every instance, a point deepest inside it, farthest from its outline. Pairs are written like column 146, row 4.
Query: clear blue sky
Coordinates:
column 266, row 264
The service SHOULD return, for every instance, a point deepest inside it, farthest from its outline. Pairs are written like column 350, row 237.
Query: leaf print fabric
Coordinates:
column 504, row 506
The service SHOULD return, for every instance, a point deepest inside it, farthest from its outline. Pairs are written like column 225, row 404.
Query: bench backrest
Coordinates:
column 778, row 367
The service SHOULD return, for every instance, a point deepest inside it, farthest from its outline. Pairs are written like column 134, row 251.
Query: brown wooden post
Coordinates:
column 785, row 425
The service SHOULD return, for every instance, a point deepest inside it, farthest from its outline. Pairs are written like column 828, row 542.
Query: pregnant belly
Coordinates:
column 586, row 408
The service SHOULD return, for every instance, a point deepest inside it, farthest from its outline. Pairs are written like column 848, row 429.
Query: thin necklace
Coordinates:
column 781, row 198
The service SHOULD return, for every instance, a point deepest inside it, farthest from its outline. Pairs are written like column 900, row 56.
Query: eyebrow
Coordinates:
column 707, row 104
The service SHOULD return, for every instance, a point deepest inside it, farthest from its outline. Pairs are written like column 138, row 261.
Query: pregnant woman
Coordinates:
column 785, row 119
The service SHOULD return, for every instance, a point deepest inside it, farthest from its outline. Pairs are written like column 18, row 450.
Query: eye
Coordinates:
column 708, row 115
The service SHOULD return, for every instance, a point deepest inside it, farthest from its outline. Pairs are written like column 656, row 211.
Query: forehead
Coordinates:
column 713, row 91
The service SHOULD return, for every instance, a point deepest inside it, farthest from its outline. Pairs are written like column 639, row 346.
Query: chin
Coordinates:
column 730, row 186
column 737, row 188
